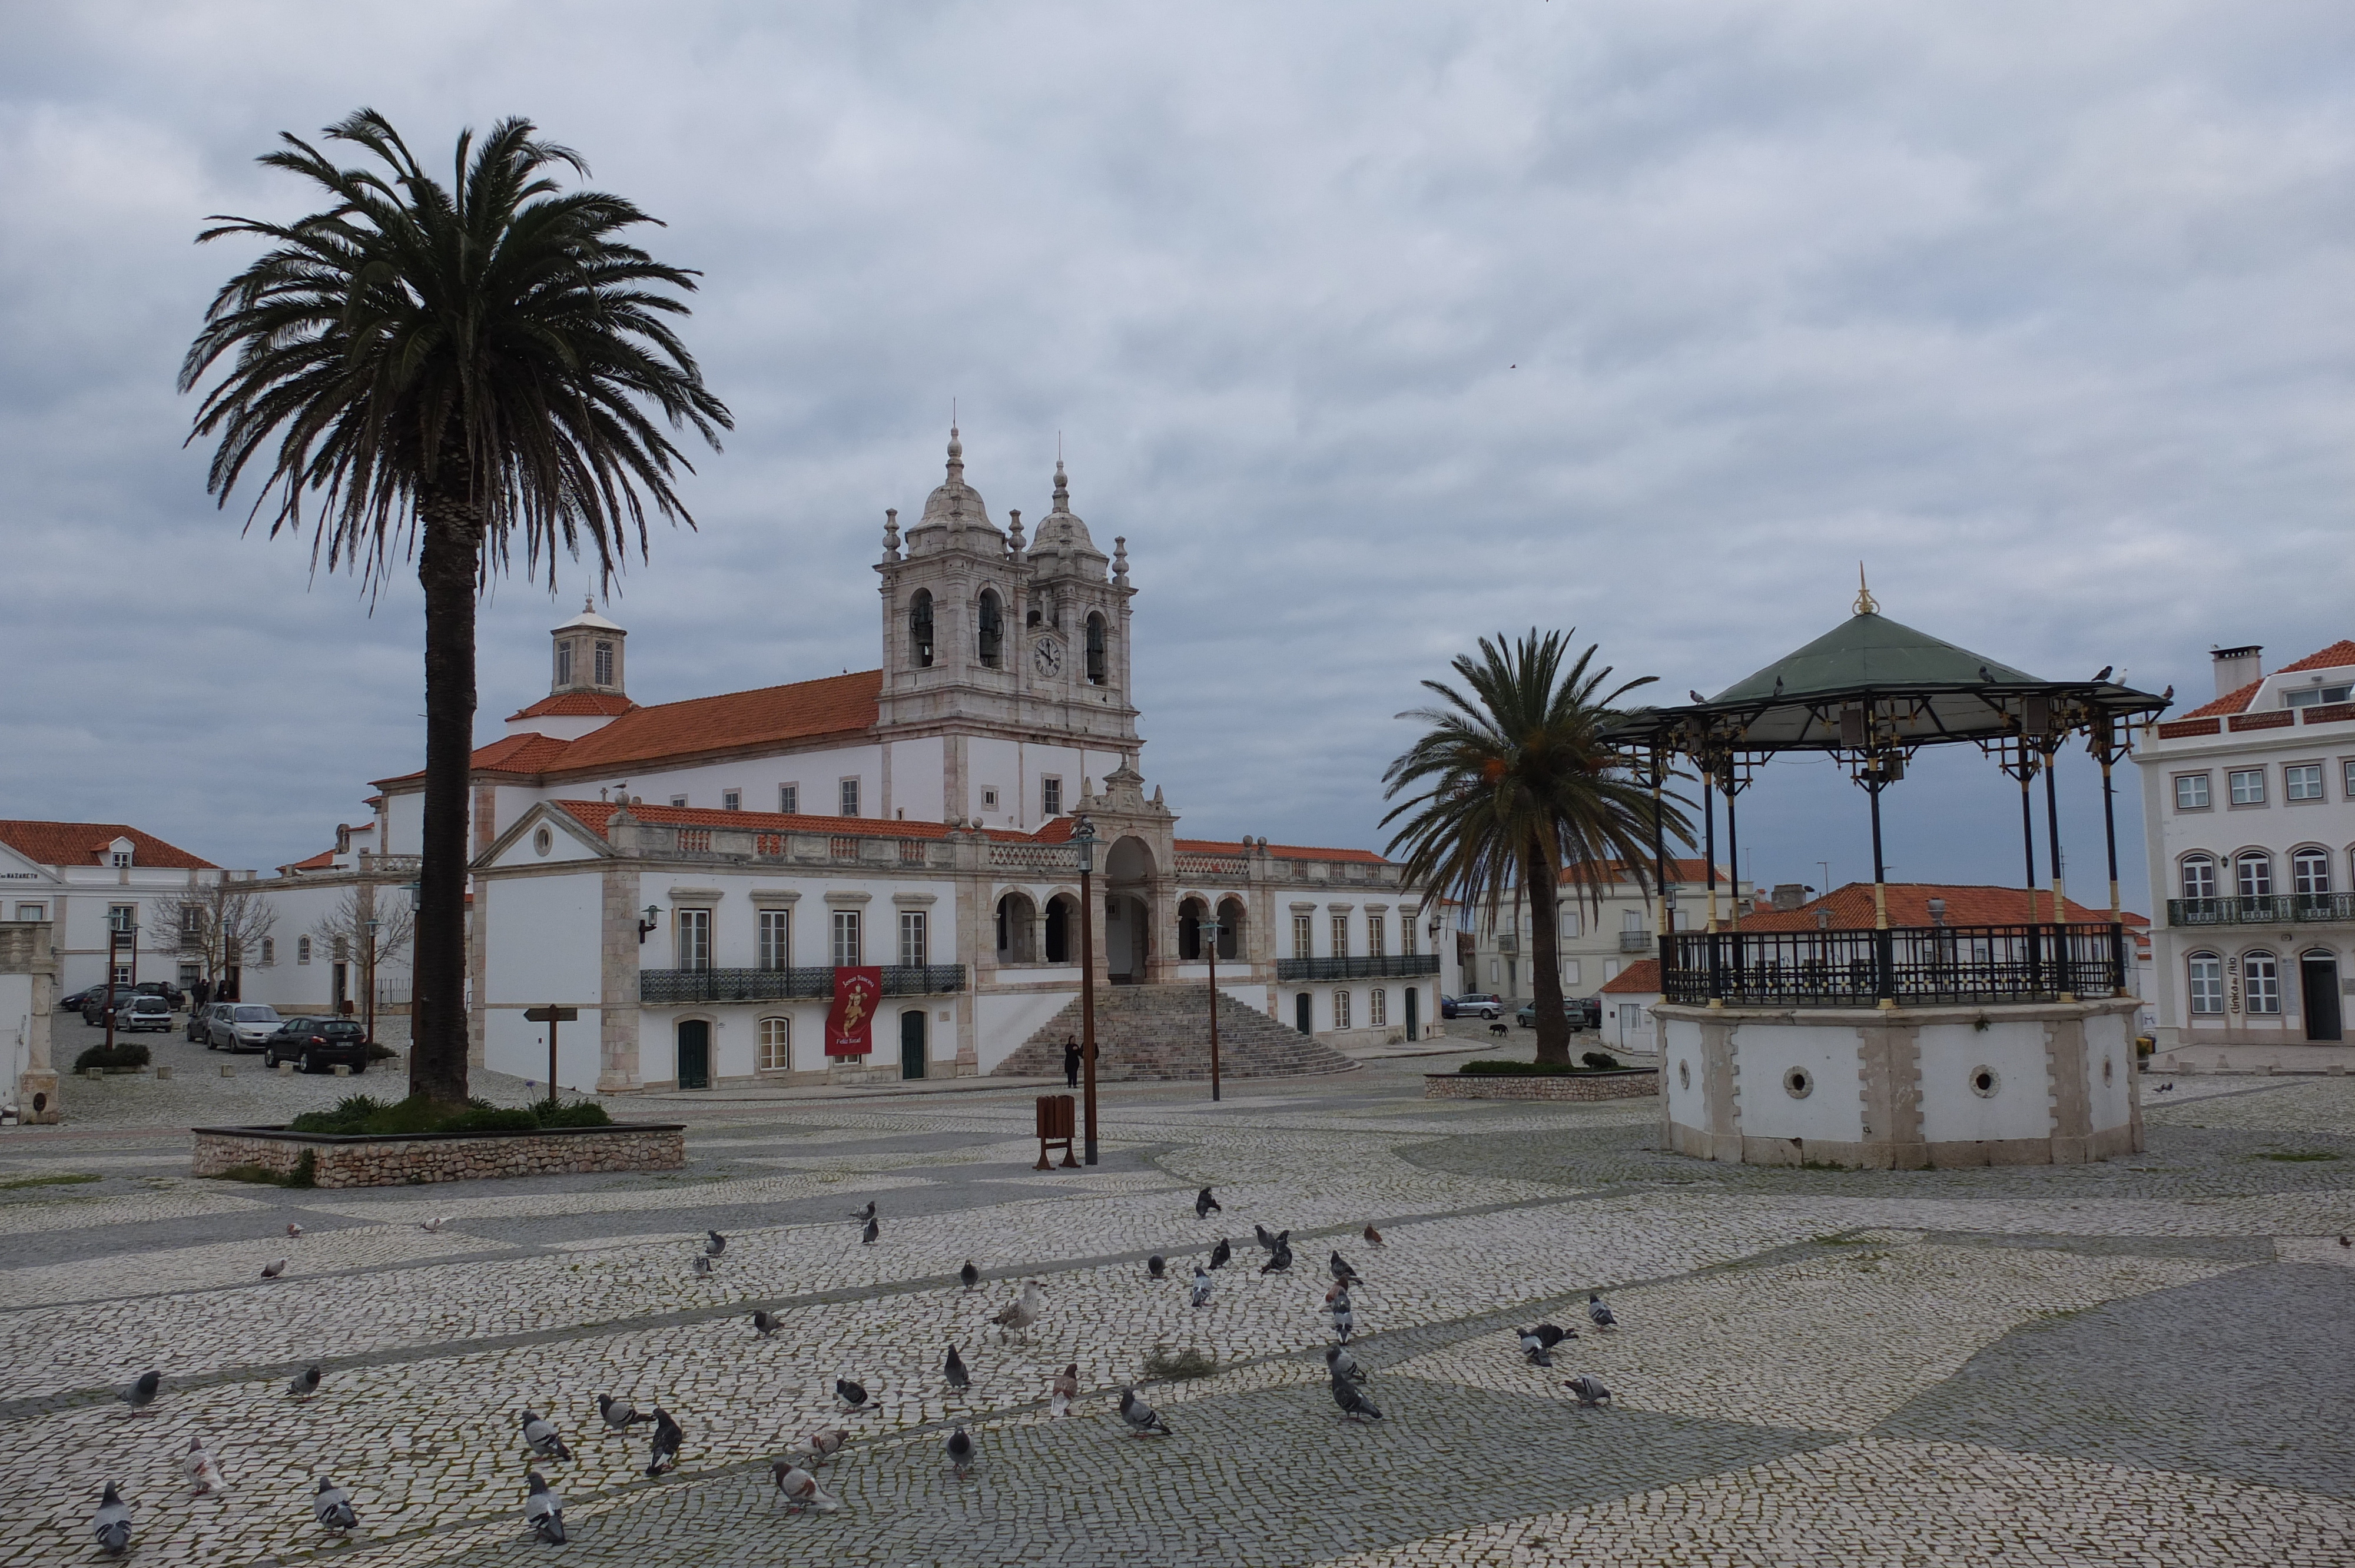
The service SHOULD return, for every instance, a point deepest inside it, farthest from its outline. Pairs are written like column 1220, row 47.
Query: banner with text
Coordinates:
column 850, row 1023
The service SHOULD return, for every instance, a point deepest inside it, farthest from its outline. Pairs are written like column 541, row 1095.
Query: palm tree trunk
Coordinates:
column 447, row 564
column 1538, row 879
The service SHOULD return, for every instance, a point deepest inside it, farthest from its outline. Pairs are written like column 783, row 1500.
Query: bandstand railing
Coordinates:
column 1912, row 966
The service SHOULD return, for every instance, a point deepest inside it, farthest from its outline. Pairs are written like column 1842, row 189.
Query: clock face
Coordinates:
column 1047, row 655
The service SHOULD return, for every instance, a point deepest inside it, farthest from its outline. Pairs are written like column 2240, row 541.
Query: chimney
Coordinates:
column 1788, row 894
column 2236, row 667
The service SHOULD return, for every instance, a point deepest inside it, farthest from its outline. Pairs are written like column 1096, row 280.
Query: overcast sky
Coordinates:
column 1374, row 328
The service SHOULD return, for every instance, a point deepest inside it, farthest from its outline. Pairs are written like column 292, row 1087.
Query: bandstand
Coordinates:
column 1898, row 1047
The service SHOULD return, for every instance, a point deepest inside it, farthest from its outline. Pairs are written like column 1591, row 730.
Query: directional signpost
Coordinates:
column 551, row 1015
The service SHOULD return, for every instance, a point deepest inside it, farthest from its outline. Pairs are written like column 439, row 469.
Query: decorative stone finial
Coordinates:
column 890, row 533
column 1062, row 488
column 956, row 458
column 1014, row 530
column 1119, row 560
column 588, row 604
column 1865, row 603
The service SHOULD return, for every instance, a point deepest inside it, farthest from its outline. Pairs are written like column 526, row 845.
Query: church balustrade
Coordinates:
column 660, row 988
column 1054, row 860
column 1208, row 867
column 1365, row 966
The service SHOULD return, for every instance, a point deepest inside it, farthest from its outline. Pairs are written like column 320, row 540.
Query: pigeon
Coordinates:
column 1373, row 1237
column 543, row 1511
column 434, row 1223
column 1066, row 1389
column 959, row 1448
column 1697, row 699
column 2104, row 675
column 1534, row 1348
column 1342, row 1271
column 1156, row 1268
column 867, row 1236
column 1278, row 1262
column 702, row 1267
column 852, row 1394
column 862, row 1215
column 142, row 1394
column 1600, row 1314
column 542, row 1437
column 1345, row 1320
column 969, row 1276
column 111, row 1523
column 332, row 1509
column 1205, row 1205
column 800, row 1488
column 619, row 1413
column 1142, row 1418
column 1589, row 1389
column 954, row 1371
column 715, row 1245
column 1202, row 1286
column 292, row 1229
column 1221, row 1252
column 2344, row 1241
column 823, row 1443
column 1550, row 1335
column 1265, row 1237
column 1340, row 1362
column 663, row 1453
column 1352, row 1400
column 203, row 1472
column 273, row 1268
column 765, row 1325
column 304, row 1384
column 1020, row 1312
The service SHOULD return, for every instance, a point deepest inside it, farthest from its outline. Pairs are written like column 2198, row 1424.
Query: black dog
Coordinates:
column 1499, row 1030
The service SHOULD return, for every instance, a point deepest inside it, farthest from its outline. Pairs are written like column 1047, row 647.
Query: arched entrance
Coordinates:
column 1061, row 911
column 1230, row 929
column 2318, row 972
column 694, row 1053
column 1017, row 928
column 1128, row 919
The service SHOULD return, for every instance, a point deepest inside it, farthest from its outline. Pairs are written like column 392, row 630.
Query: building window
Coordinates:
column 849, row 797
column 920, row 629
column 1300, row 936
column 301, row 949
column 1051, row 797
column 1098, row 658
column 789, row 799
column 341, row 946
column 121, row 859
column 2347, row 777
column 989, row 799
column 122, row 916
column 2256, row 872
column 776, row 1044
column 604, row 663
column 564, row 663
column 122, row 974
column 268, row 951
column 2207, row 983
column 679, row 800
column 2310, row 871
column 693, row 931
column 1496, row 971
column 2302, row 781
column 989, row 641
column 2248, row 786
column 1378, row 1009
column 1570, row 971
column 1340, row 935
column 2199, row 877
column 2192, row 791
column 2261, row 983
column 2311, row 696
column 732, row 800
column 1341, row 1010
column 1376, row 936
column 32, row 912
column 776, row 938
column 913, row 948
column 846, row 939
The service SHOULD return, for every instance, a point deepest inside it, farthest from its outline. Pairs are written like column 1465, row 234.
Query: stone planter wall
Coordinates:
column 1629, row 1084
column 412, row 1158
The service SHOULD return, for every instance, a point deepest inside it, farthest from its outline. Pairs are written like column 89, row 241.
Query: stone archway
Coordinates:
column 1132, row 890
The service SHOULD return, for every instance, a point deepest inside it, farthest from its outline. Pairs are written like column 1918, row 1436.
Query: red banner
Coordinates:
column 850, row 1023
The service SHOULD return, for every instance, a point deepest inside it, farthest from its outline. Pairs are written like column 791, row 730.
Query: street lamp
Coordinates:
column 367, row 977
column 1084, row 836
column 1211, row 929
column 647, row 924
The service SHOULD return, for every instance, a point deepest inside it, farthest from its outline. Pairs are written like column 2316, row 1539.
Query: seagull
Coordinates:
column 800, row 1488
column 853, row 1394
column 142, row 1394
column 866, row 1213
column 273, row 1268
column 969, row 1276
column 542, row 1437
column 203, row 1472
column 1156, row 1268
column 763, row 1324
column 1278, row 1262
column 543, row 1511
column 292, row 1229
column 1221, row 1252
column 1065, row 1390
column 822, row 1443
column 619, row 1413
column 1020, row 1312
column 702, row 1267
column 111, row 1523
column 304, row 1384
column 1205, row 1205
column 1534, row 1349
column 1589, row 1389
column 1344, row 1320
column 1600, row 1314
column 332, row 1509
column 1339, row 1362
column 1202, row 1286
column 1373, row 1237
column 867, row 1236
column 953, row 1370
column 663, row 1453
column 1352, row 1400
column 434, row 1223
column 959, row 1448
column 1142, row 1418
column 1342, row 1271
column 715, row 1245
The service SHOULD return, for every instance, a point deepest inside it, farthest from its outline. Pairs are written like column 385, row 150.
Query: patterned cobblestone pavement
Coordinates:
column 2147, row 1361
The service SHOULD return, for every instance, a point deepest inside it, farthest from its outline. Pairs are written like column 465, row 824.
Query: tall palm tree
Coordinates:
column 444, row 369
column 1516, row 782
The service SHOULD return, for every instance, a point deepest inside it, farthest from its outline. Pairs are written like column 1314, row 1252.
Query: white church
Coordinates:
column 688, row 875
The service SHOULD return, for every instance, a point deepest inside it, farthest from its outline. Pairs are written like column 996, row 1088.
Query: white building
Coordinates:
column 2249, row 819
column 91, row 880
column 1607, row 921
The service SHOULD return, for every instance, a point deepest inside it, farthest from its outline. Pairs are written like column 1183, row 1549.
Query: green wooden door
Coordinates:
column 911, row 1043
column 694, row 1054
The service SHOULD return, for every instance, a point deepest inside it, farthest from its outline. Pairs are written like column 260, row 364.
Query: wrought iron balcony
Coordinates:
column 1371, row 966
column 675, row 986
column 2266, row 909
column 1635, row 941
column 1914, row 966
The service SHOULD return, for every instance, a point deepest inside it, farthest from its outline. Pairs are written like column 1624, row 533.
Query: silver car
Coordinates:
column 240, row 1026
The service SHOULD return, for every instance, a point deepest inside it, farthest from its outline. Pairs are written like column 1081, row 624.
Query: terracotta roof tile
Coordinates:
column 1681, row 869
column 575, row 704
column 1641, row 978
column 2230, row 703
column 2339, row 655
column 838, row 705
column 1909, row 905
column 1282, row 851
column 523, row 756
column 85, row 843
column 324, row 860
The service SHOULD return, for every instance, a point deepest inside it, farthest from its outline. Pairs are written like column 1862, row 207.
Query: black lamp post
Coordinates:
column 367, row 977
column 647, row 924
column 1211, row 929
column 1084, row 836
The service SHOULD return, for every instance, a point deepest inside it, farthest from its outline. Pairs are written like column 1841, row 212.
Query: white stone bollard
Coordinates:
column 98, row 1073
column 162, row 1075
column 342, row 1071
column 226, row 1071
column 285, row 1069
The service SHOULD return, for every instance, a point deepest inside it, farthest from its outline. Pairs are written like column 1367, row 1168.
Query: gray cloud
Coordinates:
column 1375, row 328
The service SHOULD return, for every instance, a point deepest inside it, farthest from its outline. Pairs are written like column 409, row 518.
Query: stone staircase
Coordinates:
column 1163, row 1031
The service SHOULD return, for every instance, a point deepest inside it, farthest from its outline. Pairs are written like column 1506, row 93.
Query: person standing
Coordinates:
column 200, row 994
column 1071, row 1061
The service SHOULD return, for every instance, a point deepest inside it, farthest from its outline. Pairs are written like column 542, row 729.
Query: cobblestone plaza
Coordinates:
column 2147, row 1361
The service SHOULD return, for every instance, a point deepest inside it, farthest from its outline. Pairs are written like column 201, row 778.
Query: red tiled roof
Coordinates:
column 85, row 843
column 2338, row 656
column 1909, row 905
column 1281, row 852
column 522, row 755
column 2230, row 703
column 1603, row 873
column 575, row 704
column 1641, row 978
column 324, row 860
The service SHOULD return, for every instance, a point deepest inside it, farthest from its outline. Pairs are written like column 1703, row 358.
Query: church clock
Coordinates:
column 1047, row 654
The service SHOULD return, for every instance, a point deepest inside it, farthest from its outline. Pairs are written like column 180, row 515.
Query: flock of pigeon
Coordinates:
column 792, row 1475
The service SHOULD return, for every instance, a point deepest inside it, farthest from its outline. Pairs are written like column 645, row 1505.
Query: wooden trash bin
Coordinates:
column 1058, row 1114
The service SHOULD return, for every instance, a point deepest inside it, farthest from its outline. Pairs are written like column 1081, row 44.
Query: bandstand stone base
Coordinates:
column 1902, row 1088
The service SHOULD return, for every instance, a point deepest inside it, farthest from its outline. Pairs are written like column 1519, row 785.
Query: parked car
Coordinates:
column 99, row 998
column 1472, row 1004
column 240, row 1026
column 143, row 1010
column 200, row 1022
column 1584, row 1013
column 317, row 1044
column 164, row 989
column 71, row 1002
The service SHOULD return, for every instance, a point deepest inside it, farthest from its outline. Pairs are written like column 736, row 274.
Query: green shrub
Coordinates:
column 363, row 1116
column 1600, row 1060
column 490, row 1118
column 1514, row 1069
column 122, row 1056
column 380, row 1052
column 306, row 1170
column 580, row 1113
